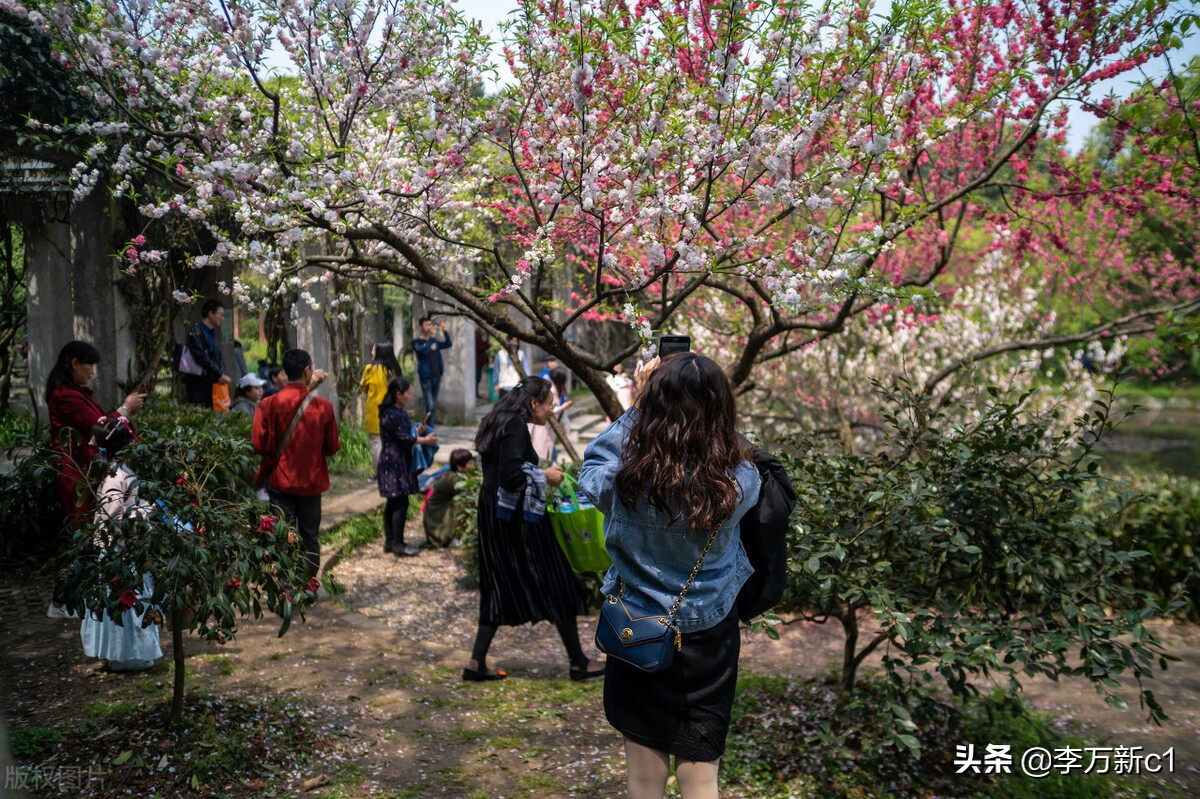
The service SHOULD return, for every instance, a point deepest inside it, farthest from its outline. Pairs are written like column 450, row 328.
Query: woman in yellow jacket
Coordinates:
column 376, row 376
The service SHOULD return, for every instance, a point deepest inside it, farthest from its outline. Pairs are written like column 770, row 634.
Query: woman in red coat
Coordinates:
column 73, row 414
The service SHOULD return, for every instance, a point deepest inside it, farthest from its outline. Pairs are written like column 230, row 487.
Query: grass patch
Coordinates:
column 110, row 710
column 354, row 533
column 32, row 742
column 222, row 664
column 354, row 456
column 538, row 781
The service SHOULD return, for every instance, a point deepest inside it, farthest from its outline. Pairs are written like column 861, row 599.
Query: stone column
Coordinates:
column 312, row 336
column 95, row 292
column 48, row 272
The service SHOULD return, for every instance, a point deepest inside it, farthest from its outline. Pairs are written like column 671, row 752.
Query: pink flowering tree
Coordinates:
column 767, row 171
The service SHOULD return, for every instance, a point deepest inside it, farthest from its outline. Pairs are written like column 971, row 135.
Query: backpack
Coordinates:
column 764, row 537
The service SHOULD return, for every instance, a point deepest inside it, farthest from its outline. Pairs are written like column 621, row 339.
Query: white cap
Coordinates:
column 251, row 380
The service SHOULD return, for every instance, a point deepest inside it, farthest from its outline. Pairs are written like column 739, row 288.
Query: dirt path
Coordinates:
column 382, row 662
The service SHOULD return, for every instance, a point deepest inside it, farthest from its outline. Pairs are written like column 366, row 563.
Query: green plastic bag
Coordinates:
column 579, row 528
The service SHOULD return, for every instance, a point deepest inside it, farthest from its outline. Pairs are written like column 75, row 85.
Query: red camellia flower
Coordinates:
column 128, row 599
column 267, row 525
column 313, row 585
column 233, row 583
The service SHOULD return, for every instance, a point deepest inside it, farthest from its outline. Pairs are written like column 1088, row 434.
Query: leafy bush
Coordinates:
column 213, row 552
column 29, row 510
column 466, row 504
column 354, row 457
column 962, row 551
column 14, row 429
column 785, row 734
column 1158, row 514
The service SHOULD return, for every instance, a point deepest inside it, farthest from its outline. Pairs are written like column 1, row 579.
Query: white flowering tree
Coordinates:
column 830, row 385
column 788, row 165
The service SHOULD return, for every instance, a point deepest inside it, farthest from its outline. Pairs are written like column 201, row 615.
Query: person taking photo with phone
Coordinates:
column 673, row 482
column 428, row 348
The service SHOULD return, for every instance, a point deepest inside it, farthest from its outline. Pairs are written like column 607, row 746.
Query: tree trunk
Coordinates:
column 177, row 655
column 849, row 672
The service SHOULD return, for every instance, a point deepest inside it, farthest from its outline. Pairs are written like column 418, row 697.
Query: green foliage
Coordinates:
column 32, row 742
column 354, row 457
column 1160, row 515
column 29, row 509
column 355, row 533
column 962, row 551
column 14, row 429
column 31, row 81
column 466, row 504
column 780, row 746
column 214, row 555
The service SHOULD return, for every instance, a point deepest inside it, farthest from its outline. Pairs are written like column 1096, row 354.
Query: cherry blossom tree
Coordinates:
column 769, row 169
column 831, row 386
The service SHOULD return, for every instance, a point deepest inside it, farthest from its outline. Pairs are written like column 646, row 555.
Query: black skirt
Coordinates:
column 683, row 710
column 523, row 574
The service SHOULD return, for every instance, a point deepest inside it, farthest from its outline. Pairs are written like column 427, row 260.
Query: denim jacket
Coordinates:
column 654, row 559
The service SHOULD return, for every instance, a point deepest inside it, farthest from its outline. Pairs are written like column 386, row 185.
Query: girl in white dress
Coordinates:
column 128, row 646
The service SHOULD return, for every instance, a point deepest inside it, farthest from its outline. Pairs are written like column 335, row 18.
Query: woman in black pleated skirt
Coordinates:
column 523, row 575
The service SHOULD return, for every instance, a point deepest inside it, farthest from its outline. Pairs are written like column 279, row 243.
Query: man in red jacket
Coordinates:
column 294, row 468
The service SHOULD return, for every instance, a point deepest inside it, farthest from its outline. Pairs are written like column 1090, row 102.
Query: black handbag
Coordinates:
column 645, row 640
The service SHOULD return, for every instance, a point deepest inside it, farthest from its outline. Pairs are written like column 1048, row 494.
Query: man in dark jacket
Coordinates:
column 428, row 350
column 203, row 344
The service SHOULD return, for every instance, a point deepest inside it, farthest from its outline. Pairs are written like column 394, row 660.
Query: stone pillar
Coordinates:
column 95, row 293
column 312, row 336
column 48, row 272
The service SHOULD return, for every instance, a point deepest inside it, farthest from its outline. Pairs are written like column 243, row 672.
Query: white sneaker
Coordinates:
column 60, row 612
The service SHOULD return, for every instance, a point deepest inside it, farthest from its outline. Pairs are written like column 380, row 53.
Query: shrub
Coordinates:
column 354, row 456
column 466, row 504
column 213, row 552
column 964, row 546
column 1157, row 514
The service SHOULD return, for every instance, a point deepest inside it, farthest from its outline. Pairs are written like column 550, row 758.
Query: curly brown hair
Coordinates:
column 683, row 447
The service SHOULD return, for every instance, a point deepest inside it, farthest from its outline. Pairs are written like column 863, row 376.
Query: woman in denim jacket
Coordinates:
column 665, row 475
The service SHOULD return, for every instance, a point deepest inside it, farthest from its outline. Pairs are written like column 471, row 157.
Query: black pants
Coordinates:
column 199, row 390
column 395, row 514
column 305, row 514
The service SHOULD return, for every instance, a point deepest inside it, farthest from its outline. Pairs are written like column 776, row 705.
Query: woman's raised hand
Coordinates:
column 643, row 370
column 134, row 402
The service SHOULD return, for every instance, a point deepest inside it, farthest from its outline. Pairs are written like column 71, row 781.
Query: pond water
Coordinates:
column 1165, row 440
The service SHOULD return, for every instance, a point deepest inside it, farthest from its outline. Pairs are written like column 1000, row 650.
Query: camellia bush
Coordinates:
column 960, row 553
column 212, row 552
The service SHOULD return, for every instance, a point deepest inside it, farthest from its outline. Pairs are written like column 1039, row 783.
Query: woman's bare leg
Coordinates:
column 697, row 779
column 647, row 769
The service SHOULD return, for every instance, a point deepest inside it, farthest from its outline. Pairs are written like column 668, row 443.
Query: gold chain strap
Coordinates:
column 695, row 571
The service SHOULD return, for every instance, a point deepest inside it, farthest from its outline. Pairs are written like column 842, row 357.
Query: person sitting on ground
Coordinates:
column 439, row 517
column 128, row 646
column 249, row 392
